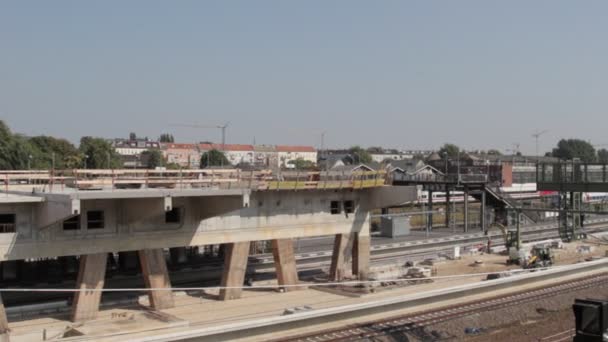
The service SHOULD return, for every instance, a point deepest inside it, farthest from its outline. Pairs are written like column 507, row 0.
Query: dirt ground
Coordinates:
column 531, row 321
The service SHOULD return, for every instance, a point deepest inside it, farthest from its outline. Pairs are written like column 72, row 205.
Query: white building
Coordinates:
column 292, row 153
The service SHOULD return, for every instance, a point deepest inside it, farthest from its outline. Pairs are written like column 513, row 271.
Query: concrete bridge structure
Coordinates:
column 91, row 213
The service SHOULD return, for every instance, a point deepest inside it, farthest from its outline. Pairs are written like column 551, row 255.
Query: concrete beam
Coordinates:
column 389, row 196
column 285, row 263
column 154, row 269
column 55, row 210
column 91, row 276
column 235, row 266
column 341, row 257
column 361, row 252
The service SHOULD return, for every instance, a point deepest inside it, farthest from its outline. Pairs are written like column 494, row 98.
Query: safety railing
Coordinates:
column 572, row 172
column 440, row 178
column 52, row 181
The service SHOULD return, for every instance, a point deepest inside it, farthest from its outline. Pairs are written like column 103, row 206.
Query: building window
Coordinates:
column 95, row 219
column 335, row 207
column 73, row 223
column 349, row 207
column 7, row 223
column 173, row 216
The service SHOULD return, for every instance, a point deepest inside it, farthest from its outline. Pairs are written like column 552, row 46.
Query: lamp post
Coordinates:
column 86, row 157
column 29, row 159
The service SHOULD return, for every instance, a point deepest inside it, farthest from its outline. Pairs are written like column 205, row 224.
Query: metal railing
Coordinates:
column 51, row 181
column 7, row 227
column 572, row 172
column 440, row 178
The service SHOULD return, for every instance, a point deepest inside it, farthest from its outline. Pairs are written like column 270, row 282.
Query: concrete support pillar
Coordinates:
column 341, row 256
column 91, row 275
column 448, row 208
column 235, row 266
column 482, row 210
column 154, row 270
column 361, row 251
column 429, row 221
column 4, row 330
column 466, row 208
column 285, row 263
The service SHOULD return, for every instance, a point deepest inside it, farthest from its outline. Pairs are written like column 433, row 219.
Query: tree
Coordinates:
column 16, row 153
column 132, row 136
column 152, row 158
column 450, row 150
column 493, row 152
column 602, row 156
column 575, row 148
column 302, row 164
column 166, row 138
column 49, row 151
column 214, row 158
column 98, row 153
column 357, row 155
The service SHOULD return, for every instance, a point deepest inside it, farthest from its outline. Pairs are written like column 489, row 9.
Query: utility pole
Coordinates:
column 536, row 136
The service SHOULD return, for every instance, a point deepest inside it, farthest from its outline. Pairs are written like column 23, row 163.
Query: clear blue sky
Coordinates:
column 481, row 74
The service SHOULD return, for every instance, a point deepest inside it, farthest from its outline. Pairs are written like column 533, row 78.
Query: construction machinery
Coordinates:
column 540, row 256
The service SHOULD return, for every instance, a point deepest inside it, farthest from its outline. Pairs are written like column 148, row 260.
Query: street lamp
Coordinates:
column 86, row 157
column 29, row 158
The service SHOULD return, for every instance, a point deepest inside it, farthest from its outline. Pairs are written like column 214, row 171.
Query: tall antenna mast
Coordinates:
column 536, row 136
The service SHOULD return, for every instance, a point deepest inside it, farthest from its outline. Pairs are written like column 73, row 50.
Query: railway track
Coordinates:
column 415, row 323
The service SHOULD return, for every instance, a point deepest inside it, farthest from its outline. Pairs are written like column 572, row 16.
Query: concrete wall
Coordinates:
column 139, row 223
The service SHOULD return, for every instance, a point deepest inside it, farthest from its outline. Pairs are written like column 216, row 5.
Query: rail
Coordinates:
column 462, row 178
column 265, row 180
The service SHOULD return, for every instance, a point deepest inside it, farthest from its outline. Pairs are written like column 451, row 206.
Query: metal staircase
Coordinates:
column 501, row 200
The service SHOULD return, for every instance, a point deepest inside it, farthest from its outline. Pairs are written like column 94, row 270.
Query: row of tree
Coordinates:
column 566, row 149
column 18, row 152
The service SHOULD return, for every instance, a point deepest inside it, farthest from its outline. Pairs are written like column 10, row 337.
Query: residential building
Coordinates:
column 291, row 153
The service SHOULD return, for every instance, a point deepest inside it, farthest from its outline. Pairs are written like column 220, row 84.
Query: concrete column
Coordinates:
column 448, row 208
column 91, row 275
column 4, row 330
column 482, row 210
column 285, row 263
column 154, row 270
column 341, row 256
column 429, row 221
column 361, row 250
column 466, row 208
column 235, row 266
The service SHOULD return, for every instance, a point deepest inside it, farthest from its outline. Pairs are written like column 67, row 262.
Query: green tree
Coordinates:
column 98, row 153
column 166, row 138
column 152, row 158
column 602, row 155
column 494, row 152
column 450, row 150
column 357, row 155
column 214, row 158
column 16, row 152
column 575, row 148
column 47, row 150
column 302, row 164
